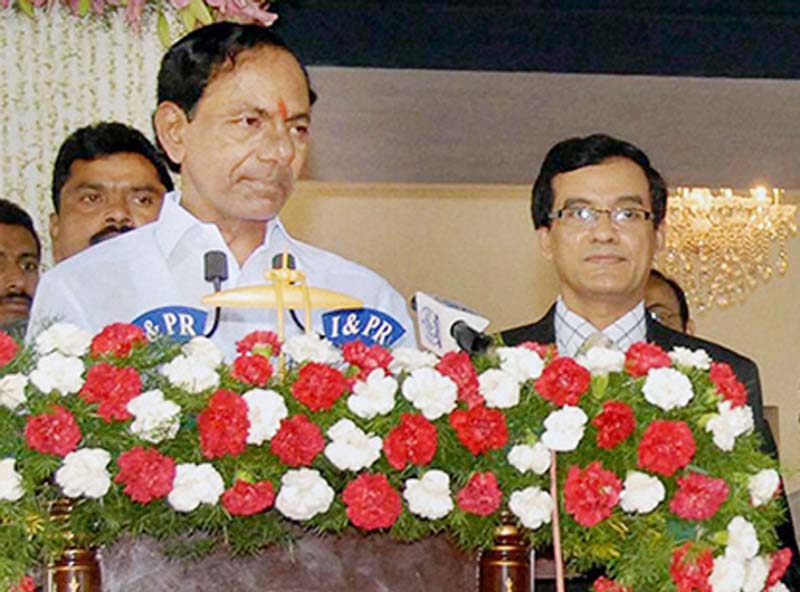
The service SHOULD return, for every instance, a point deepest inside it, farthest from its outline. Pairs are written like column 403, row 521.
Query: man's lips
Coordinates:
column 604, row 258
column 21, row 303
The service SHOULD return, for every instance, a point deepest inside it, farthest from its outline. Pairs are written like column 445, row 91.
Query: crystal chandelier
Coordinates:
column 720, row 244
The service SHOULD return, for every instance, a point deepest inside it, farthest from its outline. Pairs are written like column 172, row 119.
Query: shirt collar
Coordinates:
column 572, row 329
column 174, row 222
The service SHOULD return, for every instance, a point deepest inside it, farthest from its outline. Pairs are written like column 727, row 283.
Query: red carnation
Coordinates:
column 117, row 339
column 691, row 567
column 604, row 584
column 146, row 473
column 563, row 381
column 479, row 428
column 372, row 502
column 264, row 343
column 297, row 442
column 113, row 388
column 25, row 584
column 366, row 358
column 413, row 441
column 246, row 499
column 614, row 423
column 728, row 386
column 590, row 494
column 254, row 370
column 458, row 367
column 54, row 432
column 545, row 350
column 666, row 446
column 223, row 425
column 318, row 386
column 481, row 495
column 778, row 565
column 642, row 357
column 8, row 348
column 698, row 497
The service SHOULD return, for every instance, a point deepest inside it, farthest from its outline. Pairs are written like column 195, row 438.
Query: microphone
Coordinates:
column 291, row 263
column 446, row 326
column 215, row 267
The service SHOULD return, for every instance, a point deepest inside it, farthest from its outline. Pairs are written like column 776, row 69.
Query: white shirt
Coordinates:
column 572, row 330
column 161, row 264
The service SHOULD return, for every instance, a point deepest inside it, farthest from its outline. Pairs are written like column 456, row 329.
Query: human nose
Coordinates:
column 11, row 275
column 276, row 143
column 118, row 210
column 603, row 228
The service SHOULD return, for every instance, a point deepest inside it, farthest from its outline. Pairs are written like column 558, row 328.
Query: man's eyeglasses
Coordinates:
column 664, row 316
column 586, row 216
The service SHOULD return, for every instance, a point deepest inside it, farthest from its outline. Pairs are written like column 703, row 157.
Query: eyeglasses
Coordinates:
column 586, row 216
column 664, row 316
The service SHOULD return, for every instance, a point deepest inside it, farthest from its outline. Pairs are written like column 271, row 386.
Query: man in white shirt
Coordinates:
column 233, row 116
column 598, row 207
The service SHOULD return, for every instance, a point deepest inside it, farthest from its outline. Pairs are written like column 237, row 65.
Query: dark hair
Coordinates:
column 193, row 61
column 680, row 296
column 103, row 139
column 13, row 215
column 576, row 153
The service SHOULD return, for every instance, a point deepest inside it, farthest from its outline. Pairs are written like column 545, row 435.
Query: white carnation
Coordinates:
column 763, row 485
column 64, row 338
column 520, row 362
column 641, row 493
column 83, row 472
column 195, row 485
column 429, row 497
column 265, row 410
column 727, row 575
column 564, row 428
column 10, row 481
column 350, row 448
column 667, row 388
column 532, row 505
column 742, row 540
column 408, row 359
column 430, row 392
column 12, row 390
column 524, row 457
column 373, row 396
column 155, row 418
column 682, row 356
column 602, row 360
column 779, row 587
column 311, row 348
column 203, row 351
column 756, row 571
column 729, row 424
column 499, row 389
column 304, row 494
column 57, row 372
column 185, row 373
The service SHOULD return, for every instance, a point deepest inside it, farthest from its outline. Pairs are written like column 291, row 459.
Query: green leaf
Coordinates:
column 188, row 18
column 200, row 11
column 162, row 28
column 26, row 7
column 83, row 7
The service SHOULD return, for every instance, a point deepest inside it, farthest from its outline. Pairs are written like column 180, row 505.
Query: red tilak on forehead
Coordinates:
column 282, row 110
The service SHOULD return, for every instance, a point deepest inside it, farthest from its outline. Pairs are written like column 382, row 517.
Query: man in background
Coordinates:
column 20, row 254
column 107, row 180
column 598, row 207
column 666, row 303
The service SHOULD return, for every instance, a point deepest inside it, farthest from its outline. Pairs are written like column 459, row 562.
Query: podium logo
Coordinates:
column 430, row 326
column 179, row 322
column 365, row 324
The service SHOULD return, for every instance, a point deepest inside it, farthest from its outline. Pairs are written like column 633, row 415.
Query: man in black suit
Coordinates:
column 598, row 207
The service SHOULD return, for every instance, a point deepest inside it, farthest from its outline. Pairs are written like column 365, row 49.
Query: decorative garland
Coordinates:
column 660, row 475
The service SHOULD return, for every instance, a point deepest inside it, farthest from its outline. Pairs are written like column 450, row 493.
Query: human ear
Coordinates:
column 171, row 123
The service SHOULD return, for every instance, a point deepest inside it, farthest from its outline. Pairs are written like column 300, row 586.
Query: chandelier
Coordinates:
column 721, row 244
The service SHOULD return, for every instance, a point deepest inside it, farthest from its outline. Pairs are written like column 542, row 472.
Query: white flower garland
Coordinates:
column 59, row 73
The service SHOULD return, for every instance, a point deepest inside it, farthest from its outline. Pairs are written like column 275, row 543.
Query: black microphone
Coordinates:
column 277, row 263
column 215, row 266
column 468, row 339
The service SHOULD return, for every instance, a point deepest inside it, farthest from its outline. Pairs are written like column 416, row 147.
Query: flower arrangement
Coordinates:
column 660, row 476
column 191, row 13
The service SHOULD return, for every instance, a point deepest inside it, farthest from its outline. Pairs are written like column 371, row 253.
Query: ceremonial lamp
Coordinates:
column 288, row 289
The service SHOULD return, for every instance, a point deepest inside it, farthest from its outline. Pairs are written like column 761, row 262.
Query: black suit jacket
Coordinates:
column 543, row 331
